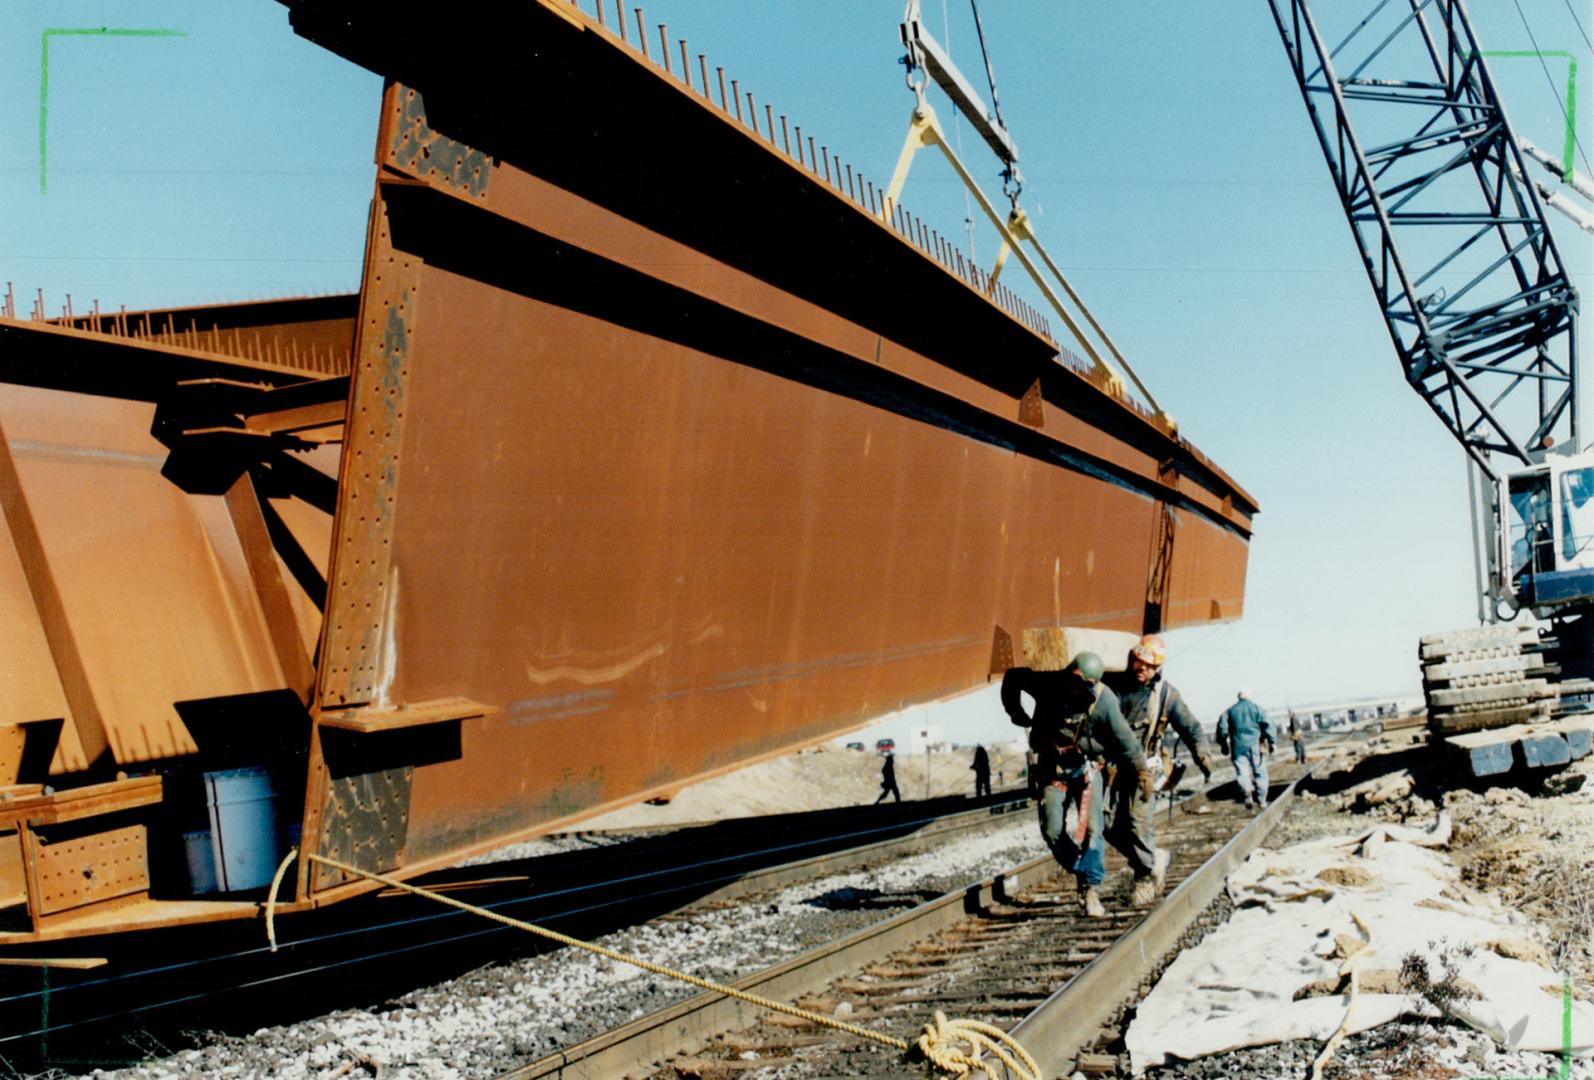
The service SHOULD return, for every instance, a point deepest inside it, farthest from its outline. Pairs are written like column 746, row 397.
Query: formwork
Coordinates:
column 594, row 490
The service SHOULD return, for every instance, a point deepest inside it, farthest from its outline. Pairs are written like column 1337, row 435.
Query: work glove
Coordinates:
column 1144, row 782
column 1204, row 763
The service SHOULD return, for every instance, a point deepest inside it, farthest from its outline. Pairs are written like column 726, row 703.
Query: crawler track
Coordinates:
column 1016, row 951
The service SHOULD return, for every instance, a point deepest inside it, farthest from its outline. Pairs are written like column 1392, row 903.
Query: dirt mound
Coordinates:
column 1536, row 852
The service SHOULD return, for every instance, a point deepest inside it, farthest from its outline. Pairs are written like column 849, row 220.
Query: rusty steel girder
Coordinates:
column 658, row 493
column 600, row 486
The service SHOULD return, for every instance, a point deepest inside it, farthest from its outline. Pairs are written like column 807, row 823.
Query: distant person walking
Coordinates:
column 982, row 771
column 1075, row 730
column 888, row 779
column 1298, row 737
column 1243, row 730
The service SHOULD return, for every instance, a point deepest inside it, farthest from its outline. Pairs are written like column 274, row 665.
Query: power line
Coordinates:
column 1551, row 80
column 1573, row 12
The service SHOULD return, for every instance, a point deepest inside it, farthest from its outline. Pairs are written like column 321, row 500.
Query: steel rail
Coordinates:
column 637, row 1047
column 1069, row 1020
column 694, row 1022
column 926, row 832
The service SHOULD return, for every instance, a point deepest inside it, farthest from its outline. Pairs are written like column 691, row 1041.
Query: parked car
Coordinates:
column 855, row 746
column 885, row 746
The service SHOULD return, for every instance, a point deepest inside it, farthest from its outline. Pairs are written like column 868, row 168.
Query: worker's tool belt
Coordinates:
column 1070, row 757
column 1157, row 759
column 1078, row 790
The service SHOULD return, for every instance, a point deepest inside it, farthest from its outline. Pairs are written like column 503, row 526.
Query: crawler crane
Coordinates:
column 1483, row 317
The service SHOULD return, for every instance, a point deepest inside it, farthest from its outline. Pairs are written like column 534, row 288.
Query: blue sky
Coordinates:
column 1170, row 169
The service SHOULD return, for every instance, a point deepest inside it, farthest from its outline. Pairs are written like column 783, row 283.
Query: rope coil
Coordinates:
column 942, row 1042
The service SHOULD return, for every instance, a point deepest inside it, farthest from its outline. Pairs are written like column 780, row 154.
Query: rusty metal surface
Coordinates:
column 670, row 507
column 364, row 583
column 1206, row 579
column 30, row 689
column 313, row 334
column 365, row 822
column 657, row 495
column 155, row 601
column 86, row 870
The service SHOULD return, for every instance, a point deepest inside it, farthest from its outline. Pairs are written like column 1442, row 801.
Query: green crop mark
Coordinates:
column 1566, row 1029
column 1571, row 97
column 44, row 74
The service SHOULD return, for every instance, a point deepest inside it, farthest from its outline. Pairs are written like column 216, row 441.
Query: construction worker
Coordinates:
column 1149, row 704
column 982, row 770
column 888, row 779
column 1298, row 737
column 1244, row 730
column 1075, row 730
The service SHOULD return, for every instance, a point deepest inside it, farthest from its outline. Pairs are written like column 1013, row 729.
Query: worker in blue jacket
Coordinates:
column 1244, row 731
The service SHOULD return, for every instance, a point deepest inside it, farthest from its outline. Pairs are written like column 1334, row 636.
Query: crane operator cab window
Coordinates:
column 1551, row 533
column 1577, row 518
column 1532, row 541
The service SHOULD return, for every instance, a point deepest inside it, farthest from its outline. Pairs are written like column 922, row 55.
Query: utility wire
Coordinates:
column 1570, row 10
column 1554, row 93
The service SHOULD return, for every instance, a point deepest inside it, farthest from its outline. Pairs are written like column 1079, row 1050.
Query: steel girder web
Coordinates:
column 1452, row 234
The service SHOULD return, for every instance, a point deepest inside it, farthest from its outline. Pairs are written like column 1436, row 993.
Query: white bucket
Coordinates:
column 243, row 828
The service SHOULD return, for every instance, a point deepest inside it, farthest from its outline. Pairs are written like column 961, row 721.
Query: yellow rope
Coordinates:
column 938, row 1043
column 271, row 898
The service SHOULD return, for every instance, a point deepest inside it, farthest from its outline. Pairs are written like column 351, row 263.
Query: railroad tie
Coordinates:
column 955, row 1047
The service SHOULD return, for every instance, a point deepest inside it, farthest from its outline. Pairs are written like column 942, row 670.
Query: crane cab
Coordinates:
column 1548, row 534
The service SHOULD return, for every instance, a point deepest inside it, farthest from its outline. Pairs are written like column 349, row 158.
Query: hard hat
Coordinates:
column 1089, row 666
column 1243, row 693
column 1151, row 650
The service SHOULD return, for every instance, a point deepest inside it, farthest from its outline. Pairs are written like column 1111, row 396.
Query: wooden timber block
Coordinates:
column 1050, row 648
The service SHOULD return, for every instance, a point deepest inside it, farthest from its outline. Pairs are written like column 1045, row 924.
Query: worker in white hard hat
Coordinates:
column 1150, row 704
column 1244, row 730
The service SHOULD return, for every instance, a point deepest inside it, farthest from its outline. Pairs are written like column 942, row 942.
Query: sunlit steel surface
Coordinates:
column 627, row 479
column 638, row 470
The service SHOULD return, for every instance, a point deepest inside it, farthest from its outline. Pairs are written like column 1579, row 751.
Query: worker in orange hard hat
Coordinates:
column 1149, row 704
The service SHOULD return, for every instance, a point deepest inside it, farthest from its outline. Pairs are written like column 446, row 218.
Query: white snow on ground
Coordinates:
column 528, row 1008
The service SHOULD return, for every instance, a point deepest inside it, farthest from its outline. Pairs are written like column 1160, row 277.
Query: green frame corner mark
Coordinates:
column 1571, row 95
column 1565, row 1072
column 44, row 74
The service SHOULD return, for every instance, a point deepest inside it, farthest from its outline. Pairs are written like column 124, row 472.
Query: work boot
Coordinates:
column 1159, row 871
column 1144, row 893
column 1092, row 902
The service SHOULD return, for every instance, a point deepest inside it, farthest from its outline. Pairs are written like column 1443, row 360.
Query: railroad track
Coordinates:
column 1016, row 950
column 156, row 989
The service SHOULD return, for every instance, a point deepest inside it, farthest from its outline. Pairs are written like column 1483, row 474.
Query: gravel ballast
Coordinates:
column 508, row 1014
